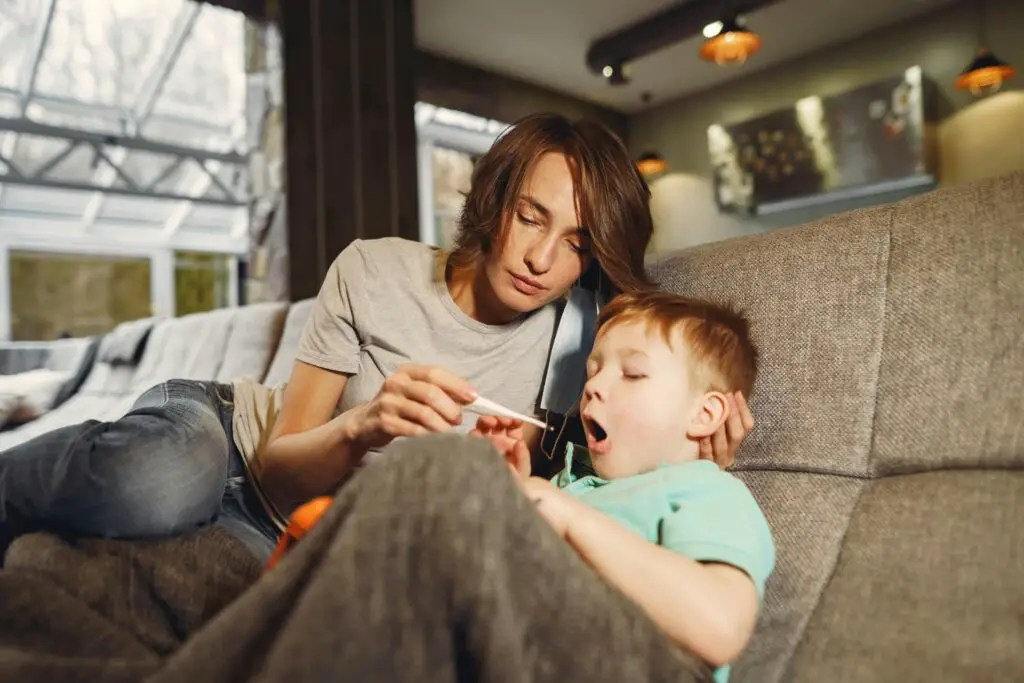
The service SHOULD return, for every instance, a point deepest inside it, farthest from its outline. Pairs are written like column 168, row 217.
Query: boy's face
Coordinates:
column 639, row 406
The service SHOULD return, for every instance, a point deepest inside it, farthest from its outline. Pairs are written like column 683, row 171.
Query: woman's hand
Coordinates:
column 721, row 446
column 507, row 437
column 416, row 400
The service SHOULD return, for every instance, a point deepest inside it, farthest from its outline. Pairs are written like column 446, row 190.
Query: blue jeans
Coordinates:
column 168, row 467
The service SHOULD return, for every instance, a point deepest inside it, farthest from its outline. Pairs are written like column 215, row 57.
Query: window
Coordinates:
column 202, row 282
column 450, row 142
column 453, row 171
column 54, row 294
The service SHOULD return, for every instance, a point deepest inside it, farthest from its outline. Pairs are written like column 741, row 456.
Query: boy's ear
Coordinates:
column 711, row 415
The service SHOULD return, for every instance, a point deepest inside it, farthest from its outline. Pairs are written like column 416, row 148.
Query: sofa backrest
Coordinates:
column 889, row 437
column 117, row 358
column 284, row 358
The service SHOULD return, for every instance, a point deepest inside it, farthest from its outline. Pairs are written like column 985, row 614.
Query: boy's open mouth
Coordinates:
column 595, row 430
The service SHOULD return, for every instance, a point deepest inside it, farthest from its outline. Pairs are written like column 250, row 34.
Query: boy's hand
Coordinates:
column 506, row 435
column 552, row 504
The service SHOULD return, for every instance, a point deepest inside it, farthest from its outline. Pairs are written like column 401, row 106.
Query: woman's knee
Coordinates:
column 164, row 472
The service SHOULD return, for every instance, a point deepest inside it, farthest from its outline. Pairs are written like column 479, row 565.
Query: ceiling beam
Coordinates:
column 130, row 142
column 680, row 21
column 28, row 85
column 150, row 91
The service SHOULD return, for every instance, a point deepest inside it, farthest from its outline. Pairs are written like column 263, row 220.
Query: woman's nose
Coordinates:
column 540, row 255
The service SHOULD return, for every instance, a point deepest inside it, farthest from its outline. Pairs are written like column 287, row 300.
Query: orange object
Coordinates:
column 299, row 524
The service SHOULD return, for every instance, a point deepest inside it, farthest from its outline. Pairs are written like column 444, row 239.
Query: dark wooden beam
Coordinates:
column 351, row 138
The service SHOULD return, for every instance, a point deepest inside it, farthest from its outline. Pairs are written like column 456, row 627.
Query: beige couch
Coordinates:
column 890, row 436
column 255, row 341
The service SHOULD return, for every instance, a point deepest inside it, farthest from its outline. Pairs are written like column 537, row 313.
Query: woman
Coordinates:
column 401, row 338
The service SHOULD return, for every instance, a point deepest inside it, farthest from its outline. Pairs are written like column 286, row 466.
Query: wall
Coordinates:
column 977, row 138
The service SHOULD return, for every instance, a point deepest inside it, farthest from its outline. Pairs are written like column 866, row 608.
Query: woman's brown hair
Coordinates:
column 613, row 200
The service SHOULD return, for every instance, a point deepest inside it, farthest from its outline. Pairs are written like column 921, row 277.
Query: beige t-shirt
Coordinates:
column 384, row 303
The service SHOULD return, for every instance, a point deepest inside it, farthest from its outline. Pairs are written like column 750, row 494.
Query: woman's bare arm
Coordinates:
column 309, row 451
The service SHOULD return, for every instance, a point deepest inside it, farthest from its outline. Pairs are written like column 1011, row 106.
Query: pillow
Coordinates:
column 125, row 344
column 35, row 391
column 9, row 403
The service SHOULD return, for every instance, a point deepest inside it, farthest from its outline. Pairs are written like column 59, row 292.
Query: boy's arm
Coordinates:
column 710, row 609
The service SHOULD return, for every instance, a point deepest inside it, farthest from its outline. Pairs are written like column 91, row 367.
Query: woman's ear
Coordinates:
column 710, row 415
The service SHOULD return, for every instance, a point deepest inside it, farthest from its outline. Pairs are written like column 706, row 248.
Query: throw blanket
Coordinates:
column 103, row 611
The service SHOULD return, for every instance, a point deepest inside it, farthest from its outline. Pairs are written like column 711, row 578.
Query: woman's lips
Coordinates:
column 527, row 286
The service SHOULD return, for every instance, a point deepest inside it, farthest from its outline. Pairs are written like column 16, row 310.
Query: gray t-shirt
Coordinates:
column 385, row 303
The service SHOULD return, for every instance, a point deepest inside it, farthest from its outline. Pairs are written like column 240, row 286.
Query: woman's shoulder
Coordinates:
column 392, row 250
column 390, row 257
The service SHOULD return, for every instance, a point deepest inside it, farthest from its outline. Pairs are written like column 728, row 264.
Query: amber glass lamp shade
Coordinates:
column 732, row 45
column 985, row 74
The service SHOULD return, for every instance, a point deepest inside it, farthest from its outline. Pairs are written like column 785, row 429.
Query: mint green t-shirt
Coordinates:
column 692, row 508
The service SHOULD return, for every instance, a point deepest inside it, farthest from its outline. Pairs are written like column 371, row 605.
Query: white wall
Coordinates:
column 685, row 214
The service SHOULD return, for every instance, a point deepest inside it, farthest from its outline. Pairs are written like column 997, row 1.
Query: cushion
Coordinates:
column 34, row 392
column 284, row 358
column 250, row 346
column 124, row 345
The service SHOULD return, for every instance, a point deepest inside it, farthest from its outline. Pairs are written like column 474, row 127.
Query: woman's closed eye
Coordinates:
column 527, row 220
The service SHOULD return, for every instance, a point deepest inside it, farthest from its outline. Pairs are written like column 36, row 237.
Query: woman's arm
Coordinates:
column 309, row 453
column 710, row 609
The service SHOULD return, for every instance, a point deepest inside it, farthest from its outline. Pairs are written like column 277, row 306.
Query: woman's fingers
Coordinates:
column 746, row 417
column 707, row 451
column 453, row 385
column 720, row 447
column 735, row 431
column 435, row 399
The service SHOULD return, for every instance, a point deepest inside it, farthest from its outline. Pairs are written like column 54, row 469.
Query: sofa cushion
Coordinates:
column 125, row 343
column 252, row 341
column 819, row 333
column 927, row 587
column 81, row 372
column 208, row 340
column 949, row 389
column 890, row 346
column 35, row 392
column 284, row 358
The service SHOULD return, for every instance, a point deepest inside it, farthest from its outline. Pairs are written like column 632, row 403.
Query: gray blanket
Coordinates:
column 101, row 611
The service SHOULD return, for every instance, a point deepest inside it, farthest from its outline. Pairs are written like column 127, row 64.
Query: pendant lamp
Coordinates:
column 729, row 42
column 985, row 74
column 651, row 164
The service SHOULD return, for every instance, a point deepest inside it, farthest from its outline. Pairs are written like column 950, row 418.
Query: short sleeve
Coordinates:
column 330, row 339
column 724, row 525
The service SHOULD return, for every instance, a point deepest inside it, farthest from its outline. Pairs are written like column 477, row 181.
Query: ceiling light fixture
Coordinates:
column 678, row 22
column 731, row 43
column 616, row 74
column 651, row 164
column 985, row 75
column 713, row 29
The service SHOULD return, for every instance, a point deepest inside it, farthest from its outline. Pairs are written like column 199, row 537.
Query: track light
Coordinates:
column 615, row 74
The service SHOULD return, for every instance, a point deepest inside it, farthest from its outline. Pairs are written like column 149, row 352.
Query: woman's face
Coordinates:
column 546, row 249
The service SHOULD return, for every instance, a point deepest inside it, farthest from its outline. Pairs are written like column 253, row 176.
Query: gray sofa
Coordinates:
column 890, row 436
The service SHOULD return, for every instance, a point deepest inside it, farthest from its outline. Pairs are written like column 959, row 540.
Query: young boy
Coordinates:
column 678, row 535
